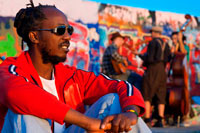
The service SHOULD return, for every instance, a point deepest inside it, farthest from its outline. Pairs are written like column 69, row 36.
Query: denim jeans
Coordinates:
column 106, row 105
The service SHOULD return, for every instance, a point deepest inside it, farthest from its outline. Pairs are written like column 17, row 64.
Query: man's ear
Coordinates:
column 33, row 36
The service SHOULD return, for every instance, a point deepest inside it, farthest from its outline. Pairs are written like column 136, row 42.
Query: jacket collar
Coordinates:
column 62, row 72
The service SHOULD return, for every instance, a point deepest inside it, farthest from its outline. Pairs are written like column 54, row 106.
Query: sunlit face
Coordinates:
column 53, row 47
column 119, row 41
column 155, row 34
column 175, row 39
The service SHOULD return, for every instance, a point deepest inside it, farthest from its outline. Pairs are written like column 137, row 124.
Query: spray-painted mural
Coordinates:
column 90, row 38
column 9, row 40
column 136, row 24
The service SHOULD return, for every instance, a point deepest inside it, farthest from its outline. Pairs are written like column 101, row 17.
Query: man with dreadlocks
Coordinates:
column 38, row 91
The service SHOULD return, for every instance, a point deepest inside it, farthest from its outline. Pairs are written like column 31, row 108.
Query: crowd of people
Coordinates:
column 41, row 94
column 157, row 62
column 153, row 83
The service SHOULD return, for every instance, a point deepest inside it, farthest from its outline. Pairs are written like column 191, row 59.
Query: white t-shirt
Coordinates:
column 49, row 86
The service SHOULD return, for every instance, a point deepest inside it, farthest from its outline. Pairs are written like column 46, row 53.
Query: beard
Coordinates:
column 47, row 58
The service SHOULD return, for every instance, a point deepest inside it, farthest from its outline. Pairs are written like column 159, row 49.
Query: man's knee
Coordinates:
column 24, row 123
column 109, row 100
column 110, row 96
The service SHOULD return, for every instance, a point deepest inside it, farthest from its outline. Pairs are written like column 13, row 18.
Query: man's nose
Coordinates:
column 67, row 36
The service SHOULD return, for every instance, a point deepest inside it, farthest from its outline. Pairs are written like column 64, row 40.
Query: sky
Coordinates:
column 191, row 7
column 87, row 10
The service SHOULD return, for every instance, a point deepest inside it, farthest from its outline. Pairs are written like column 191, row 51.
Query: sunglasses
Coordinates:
column 60, row 30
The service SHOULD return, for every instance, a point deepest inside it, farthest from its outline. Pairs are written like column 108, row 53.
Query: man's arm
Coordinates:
column 93, row 87
column 181, row 44
column 79, row 119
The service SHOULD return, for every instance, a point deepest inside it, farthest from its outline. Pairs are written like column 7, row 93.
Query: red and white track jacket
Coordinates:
column 21, row 90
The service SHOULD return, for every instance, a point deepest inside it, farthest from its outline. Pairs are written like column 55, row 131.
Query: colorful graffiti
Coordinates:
column 79, row 47
column 195, row 71
column 136, row 24
column 90, row 39
column 9, row 40
column 84, row 47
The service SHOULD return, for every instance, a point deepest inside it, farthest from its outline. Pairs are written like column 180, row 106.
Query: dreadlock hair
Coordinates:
column 29, row 19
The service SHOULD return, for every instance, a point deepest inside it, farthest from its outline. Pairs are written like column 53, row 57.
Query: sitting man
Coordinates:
column 39, row 93
column 115, row 65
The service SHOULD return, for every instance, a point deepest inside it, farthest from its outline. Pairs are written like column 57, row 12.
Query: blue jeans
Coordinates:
column 106, row 105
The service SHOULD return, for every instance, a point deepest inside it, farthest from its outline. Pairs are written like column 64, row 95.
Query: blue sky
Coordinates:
column 191, row 7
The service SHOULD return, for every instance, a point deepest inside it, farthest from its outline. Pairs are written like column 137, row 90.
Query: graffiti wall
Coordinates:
column 136, row 24
column 93, row 23
column 9, row 40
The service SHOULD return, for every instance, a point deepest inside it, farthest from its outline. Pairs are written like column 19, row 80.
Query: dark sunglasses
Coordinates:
column 60, row 30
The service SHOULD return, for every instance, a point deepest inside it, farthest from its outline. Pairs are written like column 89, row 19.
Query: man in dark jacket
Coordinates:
column 154, row 80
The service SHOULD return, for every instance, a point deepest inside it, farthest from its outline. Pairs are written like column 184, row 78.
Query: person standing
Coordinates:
column 178, row 42
column 112, row 58
column 154, row 79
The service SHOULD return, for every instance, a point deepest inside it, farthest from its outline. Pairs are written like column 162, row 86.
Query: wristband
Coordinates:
column 133, row 111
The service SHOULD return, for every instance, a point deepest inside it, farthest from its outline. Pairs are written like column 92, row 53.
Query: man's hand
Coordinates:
column 119, row 122
column 115, row 123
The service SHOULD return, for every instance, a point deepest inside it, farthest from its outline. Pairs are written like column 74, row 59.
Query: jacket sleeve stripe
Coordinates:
column 129, row 89
column 109, row 77
column 129, row 86
column 12, row 69
column 106, row 76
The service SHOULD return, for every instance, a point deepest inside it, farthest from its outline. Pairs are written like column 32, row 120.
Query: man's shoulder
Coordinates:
column 8, row 61
column 112, row 47
column 157, row 39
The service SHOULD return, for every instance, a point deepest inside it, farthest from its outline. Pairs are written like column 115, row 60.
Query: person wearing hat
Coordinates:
column 154, row 79
column 113, row 61
column 156, row 29
column 111, row 54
